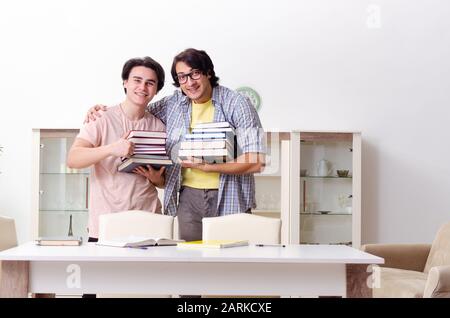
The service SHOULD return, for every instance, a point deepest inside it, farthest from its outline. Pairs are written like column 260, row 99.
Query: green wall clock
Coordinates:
column 252, row 95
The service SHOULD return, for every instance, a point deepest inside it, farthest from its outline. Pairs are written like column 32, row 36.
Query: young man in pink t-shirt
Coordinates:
column 101, row 143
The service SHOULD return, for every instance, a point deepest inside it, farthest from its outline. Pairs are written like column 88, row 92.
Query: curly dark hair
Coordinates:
column 197, row 59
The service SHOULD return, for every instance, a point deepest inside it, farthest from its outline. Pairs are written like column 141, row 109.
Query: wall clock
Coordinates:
column 252, row 95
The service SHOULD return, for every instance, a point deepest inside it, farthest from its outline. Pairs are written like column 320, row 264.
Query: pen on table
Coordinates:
column 138, row 247
column 275, row 245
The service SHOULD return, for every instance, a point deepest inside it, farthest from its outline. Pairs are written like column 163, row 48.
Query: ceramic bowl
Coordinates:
column 342, row 173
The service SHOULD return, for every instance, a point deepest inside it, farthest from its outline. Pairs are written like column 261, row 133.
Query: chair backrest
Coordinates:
column 8, row 238
column 135, row 223
column 176, row 232
column 440, row 249
column 243, row 226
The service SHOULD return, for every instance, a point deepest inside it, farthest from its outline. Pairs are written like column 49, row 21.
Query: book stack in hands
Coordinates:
column 210, row 142
column 149, row 149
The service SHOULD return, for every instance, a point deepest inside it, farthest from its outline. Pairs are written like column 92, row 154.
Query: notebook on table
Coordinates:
column 135, row 241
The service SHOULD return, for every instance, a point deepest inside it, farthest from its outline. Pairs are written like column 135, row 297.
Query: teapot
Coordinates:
column 324, row 168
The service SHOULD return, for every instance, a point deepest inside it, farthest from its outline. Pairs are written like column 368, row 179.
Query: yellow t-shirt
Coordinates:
column 195, row 178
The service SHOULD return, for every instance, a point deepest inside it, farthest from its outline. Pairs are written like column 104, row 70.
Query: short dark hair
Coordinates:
column 197, row 59
column 147, row 62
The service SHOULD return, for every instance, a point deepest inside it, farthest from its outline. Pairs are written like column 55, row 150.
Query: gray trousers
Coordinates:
column 193, row 206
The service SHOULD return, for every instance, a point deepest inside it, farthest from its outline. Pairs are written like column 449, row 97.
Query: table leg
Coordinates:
column 14, row 279
column 357, row 276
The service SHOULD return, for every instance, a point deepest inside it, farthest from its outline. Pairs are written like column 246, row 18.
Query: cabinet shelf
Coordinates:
column 328, row 177
column 267, row 175
column 62, row 210
column 65, row 173
column 325, row 214
column 265, row 211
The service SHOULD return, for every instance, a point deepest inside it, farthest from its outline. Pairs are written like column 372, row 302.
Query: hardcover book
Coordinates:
column 206, row 144
column 147, row 134
column 211, row 130
column 219, row 124
column 184, row 154
column 60, row 241
column 214, row 135
column 131, row 163
column 139, row 152
column 147, row 141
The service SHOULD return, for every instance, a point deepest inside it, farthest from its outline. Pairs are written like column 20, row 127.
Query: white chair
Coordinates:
column 134, row 223
column 243, row 226
column 8, row 237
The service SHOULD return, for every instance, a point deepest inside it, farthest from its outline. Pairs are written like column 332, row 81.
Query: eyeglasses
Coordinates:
column 194, row 75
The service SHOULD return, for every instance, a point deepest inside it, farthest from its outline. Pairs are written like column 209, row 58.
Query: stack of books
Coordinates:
column 211, row 142
column 60, row 241
column 149, row 149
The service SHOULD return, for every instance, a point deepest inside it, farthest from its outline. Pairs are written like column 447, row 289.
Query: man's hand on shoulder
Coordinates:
column 94, row 112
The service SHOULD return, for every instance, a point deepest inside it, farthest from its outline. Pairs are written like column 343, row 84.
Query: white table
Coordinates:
column 295, row 270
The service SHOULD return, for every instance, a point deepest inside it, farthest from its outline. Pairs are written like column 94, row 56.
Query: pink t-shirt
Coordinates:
column 110, row 190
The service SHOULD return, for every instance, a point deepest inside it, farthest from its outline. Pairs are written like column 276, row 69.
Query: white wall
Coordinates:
column 317, row 64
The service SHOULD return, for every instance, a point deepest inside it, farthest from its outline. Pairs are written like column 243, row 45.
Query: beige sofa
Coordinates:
column 413, row 270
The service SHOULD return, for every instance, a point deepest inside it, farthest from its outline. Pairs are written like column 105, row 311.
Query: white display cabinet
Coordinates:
column 300, row 185
column 328, row 190
column 59, row 193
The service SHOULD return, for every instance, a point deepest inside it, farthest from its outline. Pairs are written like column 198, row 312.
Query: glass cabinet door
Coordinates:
column 269, row 184
column 63, row 192
column 266, row 182
column 326, row 188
